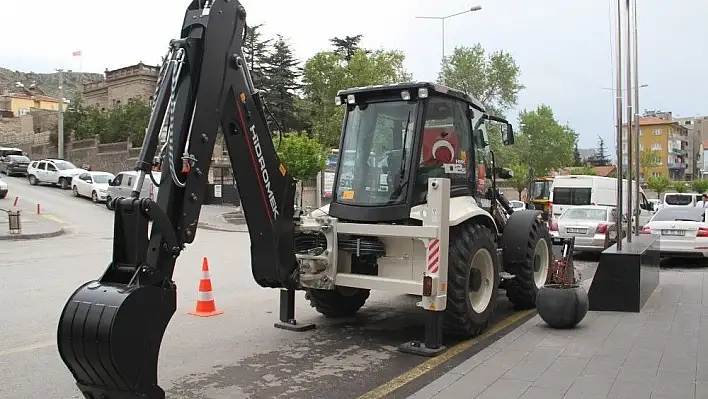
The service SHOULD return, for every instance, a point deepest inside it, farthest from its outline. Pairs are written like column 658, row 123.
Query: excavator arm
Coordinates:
column 110, row 329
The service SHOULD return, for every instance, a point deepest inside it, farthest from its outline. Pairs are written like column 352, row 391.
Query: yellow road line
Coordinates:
column 27, row 348
column 425, row 367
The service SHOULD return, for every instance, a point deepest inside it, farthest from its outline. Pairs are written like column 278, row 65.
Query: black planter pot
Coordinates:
column 562, row 306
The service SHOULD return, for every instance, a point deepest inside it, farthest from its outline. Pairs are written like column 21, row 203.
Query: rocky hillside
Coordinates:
column 47, row 82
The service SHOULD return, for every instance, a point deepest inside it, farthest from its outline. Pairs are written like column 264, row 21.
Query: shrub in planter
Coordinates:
column 562, row 302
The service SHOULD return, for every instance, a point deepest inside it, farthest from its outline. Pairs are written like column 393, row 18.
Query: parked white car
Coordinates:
column 517, row 205
column 53, row 171
column 92, row 184
column 593, row 227
column 683, row 231
column 3, row 189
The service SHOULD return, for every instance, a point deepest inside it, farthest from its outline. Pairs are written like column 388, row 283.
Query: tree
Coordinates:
column 659, row 184
column 576, row 155
column 649, row 159
column 326, row 73
column 347, row 47
column 282, row 73
column 492, row 78
column 127, row 121
column 583, row 170
column 544, row 144
column 255, row 50
column 700, row 186
column 302, row 156
column 600, row 158
column 680, row 186
column 520, row 180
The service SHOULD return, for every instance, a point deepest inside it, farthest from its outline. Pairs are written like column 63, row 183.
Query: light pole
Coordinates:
column 619, row 222
column 60, row 122
column 442, row 23
column 636, row 113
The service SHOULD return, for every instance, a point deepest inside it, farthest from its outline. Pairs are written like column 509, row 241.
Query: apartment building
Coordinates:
column 698, row 133
column 663, row 147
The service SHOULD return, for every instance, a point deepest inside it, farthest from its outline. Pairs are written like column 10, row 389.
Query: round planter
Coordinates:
column 562, row 306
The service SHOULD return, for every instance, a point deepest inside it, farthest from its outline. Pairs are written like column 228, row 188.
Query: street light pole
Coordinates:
column 442, row 25
column 60, row 122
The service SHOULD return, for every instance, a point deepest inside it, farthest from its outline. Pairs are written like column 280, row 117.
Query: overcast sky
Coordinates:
column 565, row 48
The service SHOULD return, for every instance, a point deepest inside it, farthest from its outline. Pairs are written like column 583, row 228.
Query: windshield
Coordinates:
column 676, row 214
column 585, row 214
column 375, row 131
column 102, row 178
column 571, row 196
column 542, row 189
column 18, row 158
column 64, row 165
column 678, row 199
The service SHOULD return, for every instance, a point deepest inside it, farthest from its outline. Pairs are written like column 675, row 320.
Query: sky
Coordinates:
column 565, row 49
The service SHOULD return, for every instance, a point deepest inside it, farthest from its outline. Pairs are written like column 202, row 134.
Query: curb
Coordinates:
column 207, row 226
column 33, row 236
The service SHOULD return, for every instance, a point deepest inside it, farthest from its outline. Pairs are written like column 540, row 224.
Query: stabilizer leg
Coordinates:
column 287, row 313
column 433, row 343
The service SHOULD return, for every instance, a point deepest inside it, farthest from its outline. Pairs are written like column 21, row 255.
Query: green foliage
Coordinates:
column 256, row 51
column 117, row 124
column 583, row 170
column 576, row 156
column 327, row 72
column 700, row 186
column 491, row 78
column 302, row 156
column 347, row 46
column 649, row 159
column 543, row 143
column 600, row 158
column 659, row 184
column 520, row 180
column 282, row 73
column 680, row 186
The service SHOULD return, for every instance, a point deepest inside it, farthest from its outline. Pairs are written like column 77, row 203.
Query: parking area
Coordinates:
column 237, row 354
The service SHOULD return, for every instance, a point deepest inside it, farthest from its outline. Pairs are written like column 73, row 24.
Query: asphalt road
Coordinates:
column 235, row 355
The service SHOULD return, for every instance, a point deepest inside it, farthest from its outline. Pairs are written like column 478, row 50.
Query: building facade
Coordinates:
column 24, row 101
column 120, row 85
column 663, row 147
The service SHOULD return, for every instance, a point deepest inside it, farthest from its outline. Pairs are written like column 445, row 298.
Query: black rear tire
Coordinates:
column 523, row 234
column 467, row 240
column 340, row 302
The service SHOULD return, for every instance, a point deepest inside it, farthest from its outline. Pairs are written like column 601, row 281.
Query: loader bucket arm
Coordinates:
column 111, row 329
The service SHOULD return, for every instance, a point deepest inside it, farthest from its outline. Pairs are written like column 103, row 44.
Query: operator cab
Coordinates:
column 402, row 135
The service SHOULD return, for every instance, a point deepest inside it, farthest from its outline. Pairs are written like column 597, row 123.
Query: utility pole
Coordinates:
column 630, row 158
column 442, row 23
column 60, row 123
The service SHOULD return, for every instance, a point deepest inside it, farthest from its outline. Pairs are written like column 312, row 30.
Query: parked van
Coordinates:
column 681, row 199
column 5, row 151
column 122, row 185
column 575, row 190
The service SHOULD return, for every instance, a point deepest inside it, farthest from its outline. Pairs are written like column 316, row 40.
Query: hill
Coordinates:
column 47, row 82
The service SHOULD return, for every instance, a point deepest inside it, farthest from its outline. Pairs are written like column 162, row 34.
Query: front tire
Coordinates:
column 473, row 280
column 64, row 183
column 108, row 202
column 94, row 197
column 340, row 302
column 32, row 180
column 75, row 190
column 527, row 255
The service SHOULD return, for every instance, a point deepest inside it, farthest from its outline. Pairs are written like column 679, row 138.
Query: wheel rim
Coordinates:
column 76, row 192
column 94, row 197
column 480, row 299
column 541, row 259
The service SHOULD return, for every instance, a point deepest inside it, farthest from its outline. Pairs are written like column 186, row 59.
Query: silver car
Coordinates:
column 593, row 227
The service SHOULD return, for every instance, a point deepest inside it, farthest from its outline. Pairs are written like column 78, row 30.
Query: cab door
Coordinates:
column 51, row 174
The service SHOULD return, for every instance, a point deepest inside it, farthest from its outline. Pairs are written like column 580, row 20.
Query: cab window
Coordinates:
column 446, row 143
column 117, row 181
column 51, row 167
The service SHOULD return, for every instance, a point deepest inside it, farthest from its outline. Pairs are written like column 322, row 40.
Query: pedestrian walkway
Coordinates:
column 660, row 353
column 211, row 217
column 33, row 227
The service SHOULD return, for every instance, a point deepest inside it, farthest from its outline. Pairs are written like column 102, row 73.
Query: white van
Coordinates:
column 122, row 186
column 681, row 199
column 574, row 190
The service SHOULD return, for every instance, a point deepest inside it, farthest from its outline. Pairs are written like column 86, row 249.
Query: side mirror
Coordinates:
column 110, row 182
column 504, row 173
column 508, row 138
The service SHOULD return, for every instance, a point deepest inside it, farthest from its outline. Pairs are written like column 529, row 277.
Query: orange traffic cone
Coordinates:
column 205, row 301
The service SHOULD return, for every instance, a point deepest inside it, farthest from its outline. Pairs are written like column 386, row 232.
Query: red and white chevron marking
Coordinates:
column 433, row 256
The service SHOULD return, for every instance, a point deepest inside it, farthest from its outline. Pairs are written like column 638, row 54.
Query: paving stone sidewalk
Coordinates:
column 660, row 353
column 211, row 217
column 33, row 227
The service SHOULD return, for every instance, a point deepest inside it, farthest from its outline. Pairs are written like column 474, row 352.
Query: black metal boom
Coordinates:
column 111, row 329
